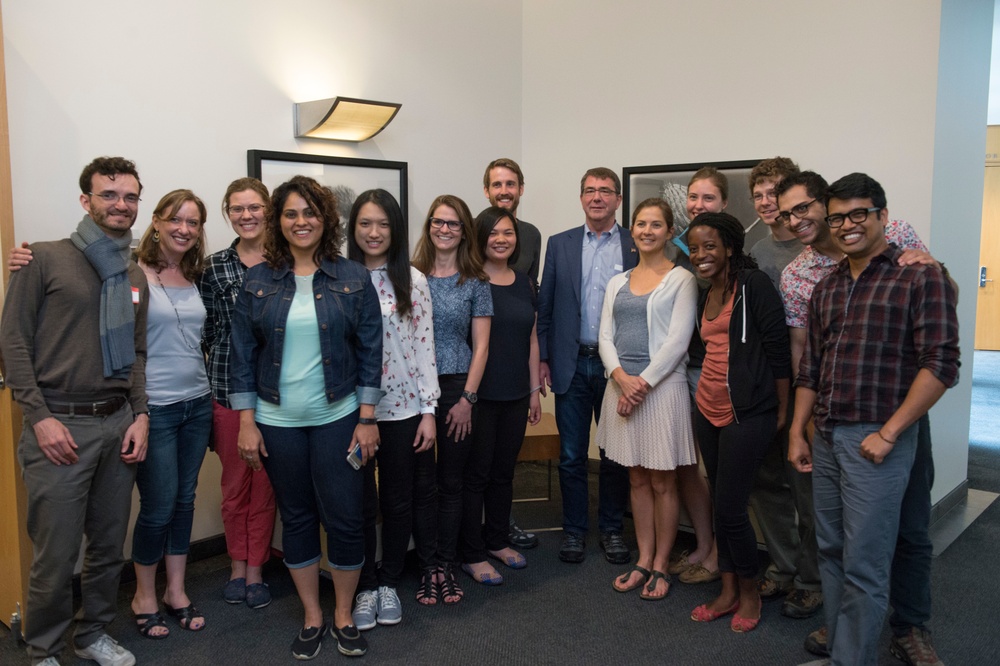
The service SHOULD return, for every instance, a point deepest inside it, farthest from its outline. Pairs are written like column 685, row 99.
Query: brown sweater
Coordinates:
column 50, row 338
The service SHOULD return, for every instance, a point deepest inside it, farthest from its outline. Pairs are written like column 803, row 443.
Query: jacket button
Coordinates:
column 347, row 290
column 326, row 361
column 260, row 292
column 322, row 327
column 319, row 296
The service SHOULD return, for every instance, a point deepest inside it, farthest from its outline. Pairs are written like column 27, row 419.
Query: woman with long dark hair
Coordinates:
column 508, row 401
column 741, row 398
column 307, row 357
column 406, row 493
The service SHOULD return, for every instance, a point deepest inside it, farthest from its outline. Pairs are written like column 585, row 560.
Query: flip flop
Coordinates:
column 647, row 592
column 625, row 577
column 146, row 622
column 515, row 561
column 185, row 616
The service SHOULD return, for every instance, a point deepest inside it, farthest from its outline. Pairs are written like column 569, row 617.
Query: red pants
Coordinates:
column 247, row 497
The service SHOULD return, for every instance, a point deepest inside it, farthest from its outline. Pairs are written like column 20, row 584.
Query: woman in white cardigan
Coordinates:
column 647, row 321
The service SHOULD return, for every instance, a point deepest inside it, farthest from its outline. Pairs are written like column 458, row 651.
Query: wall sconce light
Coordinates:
column 343, row 118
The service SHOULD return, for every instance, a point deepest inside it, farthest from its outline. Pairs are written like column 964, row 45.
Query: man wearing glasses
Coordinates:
column 881, row 348
column 578, row 264
column 73, row 338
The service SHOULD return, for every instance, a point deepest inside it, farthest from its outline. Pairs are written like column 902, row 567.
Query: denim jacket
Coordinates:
column 350, row 323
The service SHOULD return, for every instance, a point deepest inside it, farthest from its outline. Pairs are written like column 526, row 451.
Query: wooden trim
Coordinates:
column 15, row 547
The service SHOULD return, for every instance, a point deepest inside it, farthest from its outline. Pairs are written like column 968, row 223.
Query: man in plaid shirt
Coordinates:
column 881, row 348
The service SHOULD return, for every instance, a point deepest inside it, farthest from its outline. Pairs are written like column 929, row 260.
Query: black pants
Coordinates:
column 489, row 476
column 407, row 496
column 451, row 460
column 732, row 455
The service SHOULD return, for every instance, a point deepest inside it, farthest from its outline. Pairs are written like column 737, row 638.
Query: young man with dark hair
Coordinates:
column 881, row 349
column 73, row 338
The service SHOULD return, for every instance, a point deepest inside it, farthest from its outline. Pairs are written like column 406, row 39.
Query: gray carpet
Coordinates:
column 555, row 613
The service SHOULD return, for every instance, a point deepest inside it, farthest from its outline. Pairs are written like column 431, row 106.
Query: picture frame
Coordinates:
column 670, row 181
column 346, row 176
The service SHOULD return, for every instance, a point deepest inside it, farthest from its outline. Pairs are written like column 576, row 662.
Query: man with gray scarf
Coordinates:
column 73, row 340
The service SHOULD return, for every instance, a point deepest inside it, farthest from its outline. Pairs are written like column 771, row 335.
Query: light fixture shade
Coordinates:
column 343, row 118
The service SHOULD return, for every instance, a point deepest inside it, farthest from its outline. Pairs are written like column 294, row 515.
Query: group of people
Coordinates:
column 304, row 369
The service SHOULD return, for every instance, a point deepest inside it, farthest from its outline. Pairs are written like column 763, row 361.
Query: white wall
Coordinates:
column 185, row 88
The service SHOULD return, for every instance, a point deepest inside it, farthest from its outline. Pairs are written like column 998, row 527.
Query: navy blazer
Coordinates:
column 559, row 301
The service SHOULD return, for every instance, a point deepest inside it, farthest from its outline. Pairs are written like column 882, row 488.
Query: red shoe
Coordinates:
column 705, row 614
column 742, row 625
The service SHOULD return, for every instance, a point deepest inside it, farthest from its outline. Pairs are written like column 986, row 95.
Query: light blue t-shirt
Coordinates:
column 302, row 386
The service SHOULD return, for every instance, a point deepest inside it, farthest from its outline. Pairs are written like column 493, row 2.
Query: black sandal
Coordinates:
column 146, row 622
column 185, row 616
column 646, row 594
column 449, row 586
column 624, row 578
column 428, row 591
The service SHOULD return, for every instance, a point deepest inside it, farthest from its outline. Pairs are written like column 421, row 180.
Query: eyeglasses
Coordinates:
column 110, row 197
column 798, row 211
column 453, row 225
column 857, row 216
column 238, row 210
column 605, row 192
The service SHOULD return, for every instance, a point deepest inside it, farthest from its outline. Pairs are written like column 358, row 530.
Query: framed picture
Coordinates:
column 346, row 176
column 670, row 181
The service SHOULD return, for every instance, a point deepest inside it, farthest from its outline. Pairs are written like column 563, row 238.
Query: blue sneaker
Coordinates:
column 258, row 595
column 235, row 591
column 389, row 609
column 365, row 610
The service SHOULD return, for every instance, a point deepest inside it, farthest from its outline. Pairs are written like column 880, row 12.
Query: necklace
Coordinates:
column 180, row 326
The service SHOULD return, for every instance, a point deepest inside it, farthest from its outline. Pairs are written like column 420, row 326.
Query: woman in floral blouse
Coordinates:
column 377, row 237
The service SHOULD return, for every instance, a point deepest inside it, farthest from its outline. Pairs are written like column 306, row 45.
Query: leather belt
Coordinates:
column 100, row 408
column 589, row 350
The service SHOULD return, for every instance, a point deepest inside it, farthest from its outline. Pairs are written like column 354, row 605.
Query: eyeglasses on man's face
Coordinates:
column 604, row 192
column 799, row 211
column 857, row 216
column 112, row 198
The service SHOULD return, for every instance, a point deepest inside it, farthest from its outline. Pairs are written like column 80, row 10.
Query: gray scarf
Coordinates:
column 110, row 257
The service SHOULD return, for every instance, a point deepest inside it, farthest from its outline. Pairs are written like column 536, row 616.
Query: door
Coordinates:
column 988, row 291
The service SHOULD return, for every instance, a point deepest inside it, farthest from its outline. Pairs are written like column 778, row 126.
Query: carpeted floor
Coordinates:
column 556, row 613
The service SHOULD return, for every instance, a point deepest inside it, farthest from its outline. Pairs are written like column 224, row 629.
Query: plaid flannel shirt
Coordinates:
column 218, row 286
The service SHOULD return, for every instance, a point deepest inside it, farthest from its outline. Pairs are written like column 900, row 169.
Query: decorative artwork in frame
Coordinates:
column 670, row 181
column 346, row 176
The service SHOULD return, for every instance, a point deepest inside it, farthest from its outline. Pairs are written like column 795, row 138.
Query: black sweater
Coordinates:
column 759, row 351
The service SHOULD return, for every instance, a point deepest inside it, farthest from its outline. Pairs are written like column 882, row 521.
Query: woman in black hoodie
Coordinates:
column 741, row 400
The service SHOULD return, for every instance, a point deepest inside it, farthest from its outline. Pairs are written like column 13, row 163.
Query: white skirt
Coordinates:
column 658, row 433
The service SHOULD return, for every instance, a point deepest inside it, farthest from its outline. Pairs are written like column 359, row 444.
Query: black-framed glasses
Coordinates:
column 239, row 210
column 605, row 192
column 110, row 197
column 453, row 225
column 798, row 211
column 857, row 216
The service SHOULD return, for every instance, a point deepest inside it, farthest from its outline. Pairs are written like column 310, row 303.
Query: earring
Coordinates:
column 156, row 236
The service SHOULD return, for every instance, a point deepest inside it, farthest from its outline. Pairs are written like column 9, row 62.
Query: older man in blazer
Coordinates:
column 578, row 264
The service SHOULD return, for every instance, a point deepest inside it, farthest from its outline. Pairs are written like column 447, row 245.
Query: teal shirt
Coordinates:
column 303, row 393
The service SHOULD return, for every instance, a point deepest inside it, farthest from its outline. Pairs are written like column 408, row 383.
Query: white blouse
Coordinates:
column 409, row 371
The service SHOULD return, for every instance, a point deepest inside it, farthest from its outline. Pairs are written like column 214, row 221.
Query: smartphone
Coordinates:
column 354, row 456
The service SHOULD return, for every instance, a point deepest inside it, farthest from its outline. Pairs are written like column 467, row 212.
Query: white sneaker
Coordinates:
column 49, row 661
column 365, row 608
column 389, row 609
column 106, row 652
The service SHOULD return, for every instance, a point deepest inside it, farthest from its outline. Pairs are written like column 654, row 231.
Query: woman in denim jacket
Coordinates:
column 307, row 355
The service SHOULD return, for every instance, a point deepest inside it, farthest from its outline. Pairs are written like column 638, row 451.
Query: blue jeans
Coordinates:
column 910, row 582
column 167, row 478
column 574, row 410
column 857, row 521
column 314, row 484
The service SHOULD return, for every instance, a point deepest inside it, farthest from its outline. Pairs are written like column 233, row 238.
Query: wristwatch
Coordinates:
column 364, row 421
column 470, row 396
